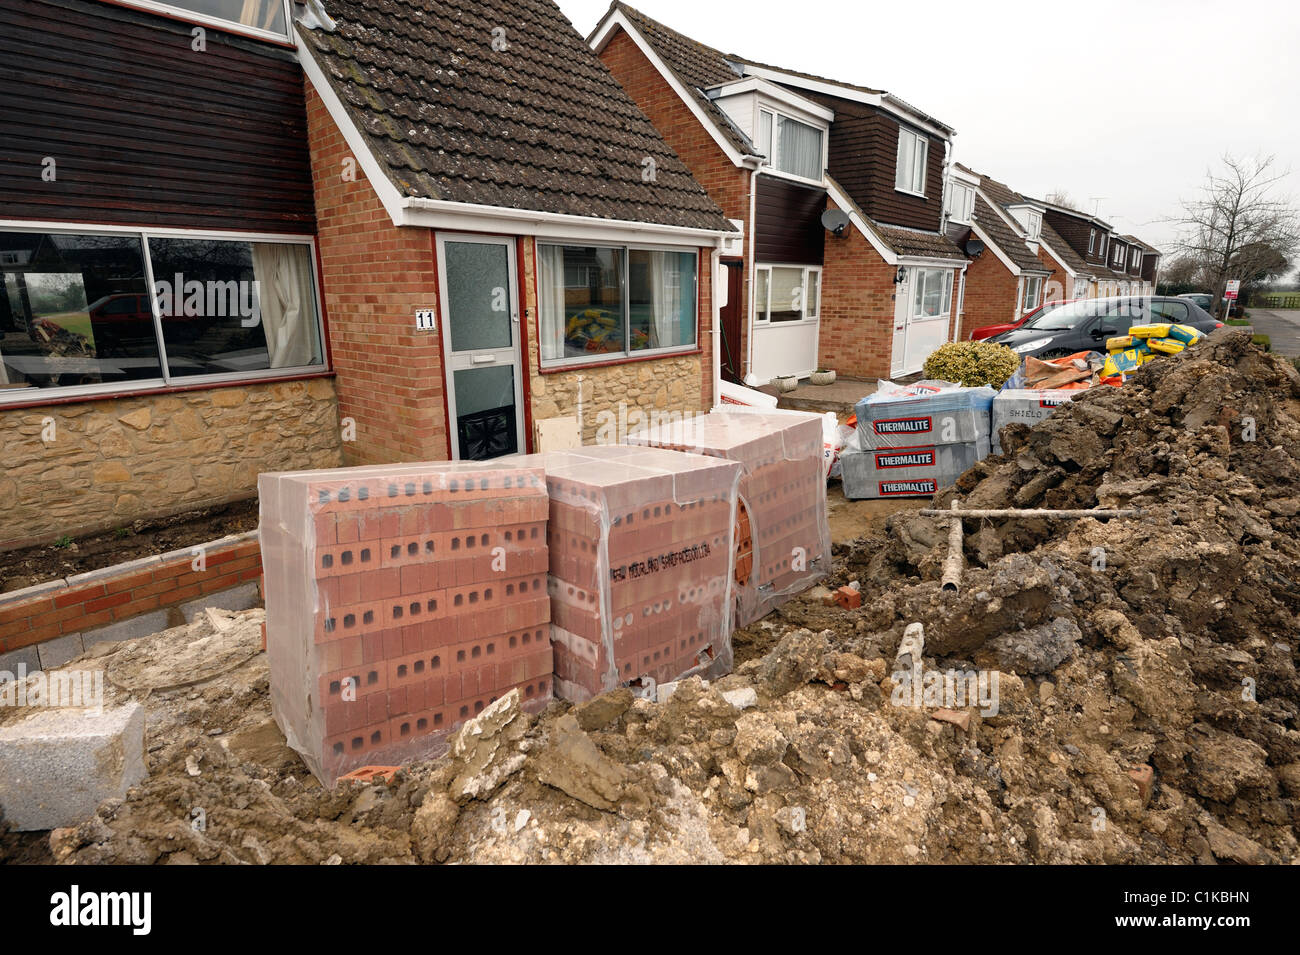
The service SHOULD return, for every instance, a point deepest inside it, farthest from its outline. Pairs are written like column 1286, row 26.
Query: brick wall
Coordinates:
column 75, row 612
column 857, row 308
column 991, row 293
column 375, row 275
column 727, row 184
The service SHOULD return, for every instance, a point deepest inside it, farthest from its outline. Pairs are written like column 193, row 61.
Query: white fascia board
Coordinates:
column 469, row 217
column 1012, row 222
column 601, row 36
column 472, row 217
column 388, row 193
column 883, row 101
column 933, row 263
column 990, row 244
column 850, row 208
column 773, row 93
column 1060, row 261
column 966, row 178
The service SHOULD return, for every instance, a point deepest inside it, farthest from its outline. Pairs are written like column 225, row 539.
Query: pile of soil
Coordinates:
column 1146, row 706
column 144, row 538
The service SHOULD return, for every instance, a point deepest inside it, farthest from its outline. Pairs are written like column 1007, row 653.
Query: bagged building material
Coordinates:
column 641, row 557
column 1025, row 406
column 401, row 601
column 783, row 541
column 923, row 414
column 920, row 471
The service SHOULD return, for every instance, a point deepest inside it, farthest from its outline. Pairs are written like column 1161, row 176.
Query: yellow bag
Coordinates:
column 1122, row 362
column 1166, row 345
column 1120, row 343
column 1149, row 331
column 1184, row 333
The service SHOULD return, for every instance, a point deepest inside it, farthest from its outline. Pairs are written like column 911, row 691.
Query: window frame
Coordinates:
column 774, row 147
column 1036, row 282
column 1092, row 241
column 1034, row 225
column 627, row 354
column 167, row 382
column 763, row 316
column 175, row 12
column 924, row 141
column 969, row 216
column 916, row 277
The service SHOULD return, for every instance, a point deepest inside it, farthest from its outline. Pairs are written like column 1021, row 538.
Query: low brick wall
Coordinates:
column 51, row 623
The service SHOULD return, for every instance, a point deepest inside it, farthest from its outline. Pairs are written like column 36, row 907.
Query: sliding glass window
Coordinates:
column 76, row 310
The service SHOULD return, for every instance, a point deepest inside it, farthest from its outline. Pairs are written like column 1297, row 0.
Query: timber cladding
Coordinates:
column 143, row 129
column 789, row 228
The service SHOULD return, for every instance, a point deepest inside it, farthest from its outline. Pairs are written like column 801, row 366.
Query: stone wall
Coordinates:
column 89, row 466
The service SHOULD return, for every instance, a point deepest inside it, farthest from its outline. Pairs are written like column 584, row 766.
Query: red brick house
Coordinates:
column 871, row 289
column 390, row 231
column 1010, row 273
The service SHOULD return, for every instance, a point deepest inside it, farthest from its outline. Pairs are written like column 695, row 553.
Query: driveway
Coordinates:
column 1282, row 326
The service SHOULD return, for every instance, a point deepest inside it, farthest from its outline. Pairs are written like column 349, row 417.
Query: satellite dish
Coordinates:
column 833, row 220
column 974, row 247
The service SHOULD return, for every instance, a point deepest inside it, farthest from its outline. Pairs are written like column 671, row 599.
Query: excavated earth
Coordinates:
column 1146, row 698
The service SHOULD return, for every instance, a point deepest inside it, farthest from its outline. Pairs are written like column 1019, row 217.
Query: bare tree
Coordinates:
column 1239, row 226
column 1059, row 197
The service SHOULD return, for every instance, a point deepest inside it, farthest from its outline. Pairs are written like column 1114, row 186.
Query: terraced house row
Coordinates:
column 240, row 236
column 866, row 244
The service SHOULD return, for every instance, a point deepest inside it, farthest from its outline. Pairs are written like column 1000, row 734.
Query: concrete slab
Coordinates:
column 58, row 765
column 28, row 656
column 60, row 650
column 236, row 598
column 840, row 396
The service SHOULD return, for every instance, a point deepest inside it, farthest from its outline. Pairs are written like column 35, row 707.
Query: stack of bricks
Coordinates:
column 640, row 544
column 782, row 503
column 400, row 602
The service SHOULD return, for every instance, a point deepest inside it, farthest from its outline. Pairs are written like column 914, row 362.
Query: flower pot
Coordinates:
column 786, row 382
column 822, row 378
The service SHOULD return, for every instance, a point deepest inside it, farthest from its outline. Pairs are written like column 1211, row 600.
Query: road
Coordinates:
column 1282, row 326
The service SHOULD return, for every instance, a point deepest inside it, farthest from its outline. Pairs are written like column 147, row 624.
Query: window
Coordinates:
column 607, row 302
column 1118, row 255
column 1102, row 253
column 255, row 17
column 787, row 293
column 76, row 309
column 1033, row 225
column 1033, row 290
column 1137, row 258
column 913, row 151
column 961, row 202
column 1092, row 240
column 791, row 147
column 931, row 293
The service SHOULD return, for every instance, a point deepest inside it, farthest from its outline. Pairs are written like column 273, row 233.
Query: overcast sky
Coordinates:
column 1123, row 105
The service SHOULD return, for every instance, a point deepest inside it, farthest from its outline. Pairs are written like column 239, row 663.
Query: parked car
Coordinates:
column 1085, row 325
column 1204, row 299
column 988, row 331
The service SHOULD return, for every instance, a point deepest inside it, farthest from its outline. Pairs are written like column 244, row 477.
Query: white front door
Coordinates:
column 480, row 336
column 922, row 315
column 784, row 332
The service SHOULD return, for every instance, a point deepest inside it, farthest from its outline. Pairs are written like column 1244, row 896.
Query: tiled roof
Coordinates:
column 538, row 125
column 1134, row 240
column 697, row 66
column 914, row 242
column 996, row 228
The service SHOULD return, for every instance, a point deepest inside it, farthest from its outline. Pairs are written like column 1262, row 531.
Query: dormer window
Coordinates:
column 913, row 155
column 1118, row 257
column 1092, row 241
column 792, row 147
column 1033, row 225
column 1137, row 258
column 265, row 19
column 961, row 202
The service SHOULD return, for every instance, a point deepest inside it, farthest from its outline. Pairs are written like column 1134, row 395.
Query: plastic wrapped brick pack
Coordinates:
column 926, row 413
column 401, row 601
column 641, row 551
column 783, row 539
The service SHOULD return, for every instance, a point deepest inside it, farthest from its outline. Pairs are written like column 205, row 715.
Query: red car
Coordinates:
column 988, row 331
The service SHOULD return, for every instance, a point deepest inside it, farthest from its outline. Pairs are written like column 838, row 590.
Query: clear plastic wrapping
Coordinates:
column 1025, row 406
column 641, row 551
column 924, row 414
column 783, row 539
column 401, row 601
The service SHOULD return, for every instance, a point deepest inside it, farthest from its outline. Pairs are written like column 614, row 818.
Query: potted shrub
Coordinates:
column 786, row 382
column 823, row 376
